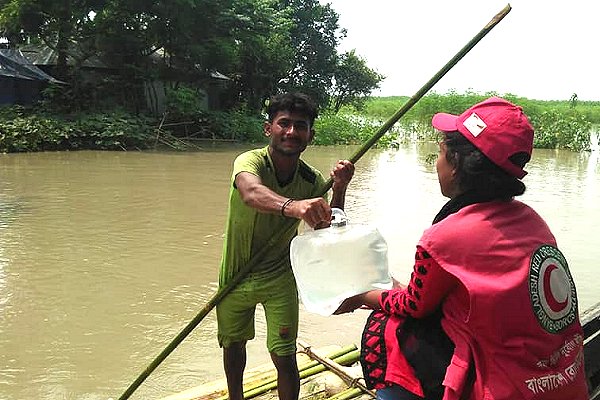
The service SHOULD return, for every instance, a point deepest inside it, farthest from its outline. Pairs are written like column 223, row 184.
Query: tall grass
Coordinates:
column 557, row 124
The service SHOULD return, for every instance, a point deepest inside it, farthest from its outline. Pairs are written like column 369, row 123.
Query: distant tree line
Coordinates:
column 264, row 46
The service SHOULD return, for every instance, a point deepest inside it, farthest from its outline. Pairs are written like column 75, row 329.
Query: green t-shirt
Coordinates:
column 248, row 230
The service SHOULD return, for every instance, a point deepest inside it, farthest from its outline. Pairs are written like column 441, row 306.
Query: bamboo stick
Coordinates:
column 346, row 359
column 336, row 369
column 334, row 355
column 264, row 374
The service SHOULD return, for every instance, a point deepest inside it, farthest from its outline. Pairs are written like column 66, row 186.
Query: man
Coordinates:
column 270, row 186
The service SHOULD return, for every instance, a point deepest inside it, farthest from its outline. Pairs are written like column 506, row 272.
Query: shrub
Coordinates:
column 21, row 131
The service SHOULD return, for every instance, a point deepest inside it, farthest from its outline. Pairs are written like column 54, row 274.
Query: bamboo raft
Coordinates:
column 331, row 373
column 334, row 373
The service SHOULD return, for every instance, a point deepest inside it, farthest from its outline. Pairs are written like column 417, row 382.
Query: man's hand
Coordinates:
column 342, row 174
column 315, row 212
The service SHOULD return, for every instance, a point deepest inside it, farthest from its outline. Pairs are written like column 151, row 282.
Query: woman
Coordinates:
column 488, row 276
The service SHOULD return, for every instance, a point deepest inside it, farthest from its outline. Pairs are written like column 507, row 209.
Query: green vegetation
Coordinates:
column 214, row 63
column 23, row 130
column 260, row 46
column 558, row 124
column 119, row 58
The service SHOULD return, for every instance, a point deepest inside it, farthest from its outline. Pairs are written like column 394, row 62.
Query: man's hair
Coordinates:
column 475, row 173
column 292, row 102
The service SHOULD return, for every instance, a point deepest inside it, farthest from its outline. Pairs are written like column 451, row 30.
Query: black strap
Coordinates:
column 460, row 201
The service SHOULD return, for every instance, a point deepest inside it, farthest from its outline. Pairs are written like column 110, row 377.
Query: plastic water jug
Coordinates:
column 338, row 262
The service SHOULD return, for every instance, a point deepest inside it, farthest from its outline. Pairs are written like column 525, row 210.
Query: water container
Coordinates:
column 338, row 262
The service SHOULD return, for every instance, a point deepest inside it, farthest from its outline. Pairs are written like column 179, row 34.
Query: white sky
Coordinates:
column 544, row 50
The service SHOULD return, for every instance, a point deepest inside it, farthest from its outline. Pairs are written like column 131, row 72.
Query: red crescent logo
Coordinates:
column 554, row 304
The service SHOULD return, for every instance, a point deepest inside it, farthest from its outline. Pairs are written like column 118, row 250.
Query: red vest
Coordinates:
column 521, row 333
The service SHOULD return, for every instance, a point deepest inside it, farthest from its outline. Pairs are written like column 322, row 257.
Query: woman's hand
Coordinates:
column 368, row 300
column 397, row 285
column 350, row 304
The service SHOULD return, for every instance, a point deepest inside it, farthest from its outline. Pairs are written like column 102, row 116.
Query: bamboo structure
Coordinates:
column 263, row 379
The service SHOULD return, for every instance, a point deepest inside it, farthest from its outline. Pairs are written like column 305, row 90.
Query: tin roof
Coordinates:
column 44, row 55
column 14, row 64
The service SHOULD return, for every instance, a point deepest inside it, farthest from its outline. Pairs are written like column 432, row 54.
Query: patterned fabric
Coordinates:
column 373, row 351
column 381, row 358
column 398, row 349
column 429, row 284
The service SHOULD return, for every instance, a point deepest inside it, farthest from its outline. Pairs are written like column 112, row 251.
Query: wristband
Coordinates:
column 287, row 203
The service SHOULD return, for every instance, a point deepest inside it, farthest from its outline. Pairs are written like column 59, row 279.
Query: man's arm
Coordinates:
column 258, row 196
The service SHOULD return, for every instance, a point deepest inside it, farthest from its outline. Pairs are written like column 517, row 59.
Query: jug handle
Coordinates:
column 338, row 217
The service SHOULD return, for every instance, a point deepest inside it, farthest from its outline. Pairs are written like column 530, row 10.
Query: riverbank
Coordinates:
column 562, row 125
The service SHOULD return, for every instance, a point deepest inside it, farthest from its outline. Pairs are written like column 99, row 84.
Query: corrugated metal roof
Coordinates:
column 44, row 55
column 14, row 64
column 218, row 75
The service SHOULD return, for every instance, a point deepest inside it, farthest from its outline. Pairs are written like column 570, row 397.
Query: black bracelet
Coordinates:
column 287, row 203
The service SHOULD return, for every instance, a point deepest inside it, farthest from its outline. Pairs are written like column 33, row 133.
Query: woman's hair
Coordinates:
column 476, row 174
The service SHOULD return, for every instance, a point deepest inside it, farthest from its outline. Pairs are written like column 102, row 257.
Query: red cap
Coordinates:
column 496, row 127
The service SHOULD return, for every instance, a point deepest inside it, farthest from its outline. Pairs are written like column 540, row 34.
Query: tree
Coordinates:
column 264, row 45
column 315, row 35
column 264, row 50
column 354, row 81
column 63, row 25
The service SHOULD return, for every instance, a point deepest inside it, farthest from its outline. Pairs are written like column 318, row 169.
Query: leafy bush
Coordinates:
column 184, row 102
column 554, row 129
column 25, row 131
column 238, row 125
column 557, row 124
column 343, row 129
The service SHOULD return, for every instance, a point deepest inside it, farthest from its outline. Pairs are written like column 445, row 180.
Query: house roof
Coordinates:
column 157, row 57
column 14, row 64
column 44, row 55
column 218, row 75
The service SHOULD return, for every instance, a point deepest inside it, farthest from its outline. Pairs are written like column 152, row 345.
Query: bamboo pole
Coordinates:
column 346, row 359
column 261, row 376
column 334, row 367
column 351, row 349
column 222, row 292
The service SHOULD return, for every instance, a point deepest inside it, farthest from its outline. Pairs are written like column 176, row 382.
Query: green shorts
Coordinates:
column 279, row 297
